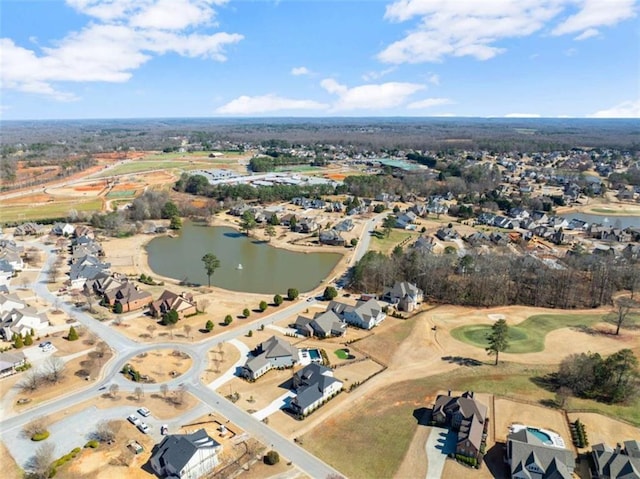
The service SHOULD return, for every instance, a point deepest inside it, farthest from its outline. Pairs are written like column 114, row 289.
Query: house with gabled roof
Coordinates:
column 406, row 296
column 9, row 361
column 272, row 353
column 183, row 304
column 9, row 302
column 466, row 415
column 129, row 296
column 365, row 314
column 314, row 385
column 186, row 456
column 529, row 457
column 331, row 237
column 619, row 463
column 22, row 321
column 323, row 325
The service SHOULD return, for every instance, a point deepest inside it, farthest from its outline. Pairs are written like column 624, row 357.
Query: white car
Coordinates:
column 144, row 428
column 133, row 419
column 143, row 411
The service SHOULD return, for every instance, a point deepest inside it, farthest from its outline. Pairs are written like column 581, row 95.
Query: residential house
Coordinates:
column 129, row 296
column 577, row 225
column 63, row 229
column 186, row 456
column 287, row 219
column 82, row 230
column 331, row 237
column 618, row 463
column 29, row 229
column 9, row 361
column 85, row 270
column 6, row 272
column 466, row 415
column 314, row 384
column 9, row 302
column 447, row 234
column 529, row 457
column 22, row 321
column 183, row 304
column 272, row 353
column 499, row 239
column 323, row 325
column 12, row 254
column 424, row 244
column 306, row 226
column 406, row 296
column 344, row 226
column 478, row 238
column 406, row 219
column 365, row 314
column 631, row 252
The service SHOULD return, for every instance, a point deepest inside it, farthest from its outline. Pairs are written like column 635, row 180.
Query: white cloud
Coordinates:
column 375, row 75
column 434, row 79
column 596, row 13
column 626, row 109
column 297, row 71
column 475, row 28
column 111, row 48
column 370, row 97
column 522, row 115
column 589, row 33
column 429, row 103
column 251, row 105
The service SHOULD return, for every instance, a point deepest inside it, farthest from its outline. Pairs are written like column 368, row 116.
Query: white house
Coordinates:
column 22, row 322
column 365, row 314
column 9, row 302
column 272, row 353
column 314, row 385
column 186, row 456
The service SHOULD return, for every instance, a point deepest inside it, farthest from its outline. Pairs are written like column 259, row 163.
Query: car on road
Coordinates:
column 143, row 411
column 311, row 299
column 143, row 427
column 133, row 419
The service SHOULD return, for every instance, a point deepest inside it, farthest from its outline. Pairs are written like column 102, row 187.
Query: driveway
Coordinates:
column 441, row 442
column 276, row 405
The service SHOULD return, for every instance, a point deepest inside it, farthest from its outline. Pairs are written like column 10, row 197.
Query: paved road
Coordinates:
column 125, row 348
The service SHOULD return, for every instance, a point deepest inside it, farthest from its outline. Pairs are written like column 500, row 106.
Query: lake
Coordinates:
column 616, row 221
column 265, row 269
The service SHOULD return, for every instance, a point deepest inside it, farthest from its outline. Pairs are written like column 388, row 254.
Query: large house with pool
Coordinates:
column 534, row 453
column 314, row 385
column 365, row 314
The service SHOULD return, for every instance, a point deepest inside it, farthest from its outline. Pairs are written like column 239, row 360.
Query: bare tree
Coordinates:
column 40, row 464
column 180, row 393
column 89, row 295
column 221, row 350
column 203, row 305
column 216, row 364
column 37, row 426
column 30, row 382
column 113, row 390
column 104, row 432
column 102, row 349
column 164, row 389
column 24, row 282
column 138, row 393
column 151, row 328
column 54, row 369
column 623, row 307
column 54, row 272
column 187, row 330
column 562, row 395
column 171, row 327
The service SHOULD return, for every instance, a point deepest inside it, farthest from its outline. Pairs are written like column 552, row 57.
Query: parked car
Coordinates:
column 164, row 429
column 45, row 344
column 143, row 411
column 143, row 427
column 133, row 419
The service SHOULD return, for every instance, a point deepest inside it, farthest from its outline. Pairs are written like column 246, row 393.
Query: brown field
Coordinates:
column 601, row 428
column 29, row 199
column 259, row 394
column 220, row 362
column 10, row 469
column 91, row 187
column 162, row 364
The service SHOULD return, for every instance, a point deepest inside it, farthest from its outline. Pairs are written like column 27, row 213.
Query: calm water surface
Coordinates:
column 616, row 221
column 265, row 269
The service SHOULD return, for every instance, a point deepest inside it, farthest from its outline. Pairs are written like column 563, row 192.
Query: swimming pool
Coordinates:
column 544, row 437
column 314, row 354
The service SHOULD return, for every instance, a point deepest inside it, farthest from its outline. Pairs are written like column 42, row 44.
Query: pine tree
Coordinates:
column 17, row 342
column 73, row 334
column 498, row 338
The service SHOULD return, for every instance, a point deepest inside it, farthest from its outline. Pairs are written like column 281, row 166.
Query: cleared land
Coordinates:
column 58, row 209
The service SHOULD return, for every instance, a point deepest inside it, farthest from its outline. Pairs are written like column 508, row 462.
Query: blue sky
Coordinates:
column 226, row 58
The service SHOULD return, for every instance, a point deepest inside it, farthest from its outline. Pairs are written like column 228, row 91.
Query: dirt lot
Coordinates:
column 220, row 361
column 161, row 365
column 259, row 394
column 10, row 470
column 511, row 412
column 601, row 428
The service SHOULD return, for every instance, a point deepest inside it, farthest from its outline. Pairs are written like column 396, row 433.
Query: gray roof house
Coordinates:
column 185, row 456
column 10, row 361
column 322, row 325
column 365, row 314
column 466, row 415
column 529, row 458
column 22, row 321
column 403, row 294
column 331, row 237
column 272, row 353
column 314, row 384
column 618, row 463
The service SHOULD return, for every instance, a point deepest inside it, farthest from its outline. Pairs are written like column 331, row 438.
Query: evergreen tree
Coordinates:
column 498, row 338
column 73, row 334
column 18, row 342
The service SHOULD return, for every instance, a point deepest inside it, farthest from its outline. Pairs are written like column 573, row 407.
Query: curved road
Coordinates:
column 124, row 349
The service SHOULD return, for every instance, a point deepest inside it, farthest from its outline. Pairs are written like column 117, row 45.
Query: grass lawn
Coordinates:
column 386, row 244
column 55, row 209
column 382, row 427
column 138, row 166
column 528, row 336
column 122, row 194
column 381, row 346
column 616, row 211
column 341, row 353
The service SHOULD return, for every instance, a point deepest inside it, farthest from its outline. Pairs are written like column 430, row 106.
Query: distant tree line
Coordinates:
column 495, row 279
column 273, row 160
